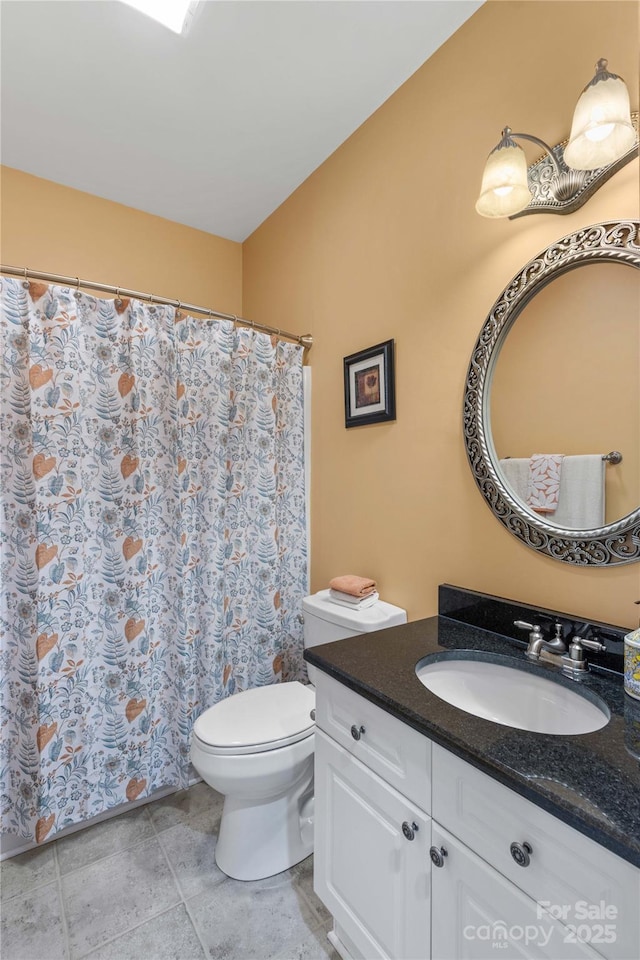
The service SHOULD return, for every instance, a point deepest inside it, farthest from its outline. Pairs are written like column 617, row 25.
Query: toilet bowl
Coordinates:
column 256, row 748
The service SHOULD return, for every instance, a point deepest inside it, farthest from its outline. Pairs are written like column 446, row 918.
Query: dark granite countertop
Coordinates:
column 591, row 781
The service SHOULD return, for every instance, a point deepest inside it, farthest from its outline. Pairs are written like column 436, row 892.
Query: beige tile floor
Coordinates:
column 145, row 886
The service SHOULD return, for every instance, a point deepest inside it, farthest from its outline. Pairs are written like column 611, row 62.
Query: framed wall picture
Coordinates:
column 369, row 386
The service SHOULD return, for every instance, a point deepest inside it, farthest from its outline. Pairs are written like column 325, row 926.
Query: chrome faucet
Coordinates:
column 572, row 661
column 538, row 644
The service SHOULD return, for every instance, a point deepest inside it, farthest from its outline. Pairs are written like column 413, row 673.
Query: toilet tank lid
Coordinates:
column 376, row 617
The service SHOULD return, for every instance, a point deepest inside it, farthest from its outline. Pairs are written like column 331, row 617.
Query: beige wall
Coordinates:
column 383, row 241
column 54, row 229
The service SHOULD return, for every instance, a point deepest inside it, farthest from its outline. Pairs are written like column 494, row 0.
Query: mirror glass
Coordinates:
column 553, row 387
column 566, row 381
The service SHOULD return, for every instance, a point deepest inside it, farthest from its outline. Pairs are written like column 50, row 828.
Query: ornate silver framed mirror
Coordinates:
column 608, row 541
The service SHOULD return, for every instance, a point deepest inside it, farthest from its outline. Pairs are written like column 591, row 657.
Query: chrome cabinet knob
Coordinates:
column 521, row 853
column 356, row 732
column 410, row 829
column 437, row 855
column 312, row 713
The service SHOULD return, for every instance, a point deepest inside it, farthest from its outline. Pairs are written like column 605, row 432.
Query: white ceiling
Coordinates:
column 214, row 129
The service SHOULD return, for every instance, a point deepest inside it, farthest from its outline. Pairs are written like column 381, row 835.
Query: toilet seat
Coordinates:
column 257, row 720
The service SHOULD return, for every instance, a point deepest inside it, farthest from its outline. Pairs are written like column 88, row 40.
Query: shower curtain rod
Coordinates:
column 305, row 340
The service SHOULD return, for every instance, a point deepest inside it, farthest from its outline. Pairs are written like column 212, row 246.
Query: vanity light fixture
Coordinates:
column 603, row 139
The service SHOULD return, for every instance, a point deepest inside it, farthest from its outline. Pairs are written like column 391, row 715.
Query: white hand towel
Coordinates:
column 516, row 472
column 358, row 605
column 349, row 598
column 581, row 504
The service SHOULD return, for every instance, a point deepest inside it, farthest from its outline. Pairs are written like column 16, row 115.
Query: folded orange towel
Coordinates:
column 354, row 586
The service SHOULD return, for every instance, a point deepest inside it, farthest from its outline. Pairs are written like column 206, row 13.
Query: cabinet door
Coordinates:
column 373, row 879
column 478, row 914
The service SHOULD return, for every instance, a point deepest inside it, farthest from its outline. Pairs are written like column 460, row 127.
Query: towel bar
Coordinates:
column 614, row 457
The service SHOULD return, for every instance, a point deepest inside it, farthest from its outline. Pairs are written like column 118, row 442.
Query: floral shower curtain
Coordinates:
column 153, row 541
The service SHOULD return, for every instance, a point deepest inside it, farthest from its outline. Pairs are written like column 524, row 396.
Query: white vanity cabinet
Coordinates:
column 378, row 782
column 372, row 826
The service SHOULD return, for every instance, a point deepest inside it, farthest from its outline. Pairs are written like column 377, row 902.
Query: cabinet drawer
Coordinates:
column 396, row 752
column 566, row 869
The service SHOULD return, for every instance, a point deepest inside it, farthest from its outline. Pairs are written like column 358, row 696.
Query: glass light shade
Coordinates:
column 505, row 189
column 601, row 131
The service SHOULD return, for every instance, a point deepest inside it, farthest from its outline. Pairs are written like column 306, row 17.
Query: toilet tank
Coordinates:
column 326, row 621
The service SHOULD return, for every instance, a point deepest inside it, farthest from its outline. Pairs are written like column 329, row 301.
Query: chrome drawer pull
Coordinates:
column 410, row 830
column 356, row 732
column 437, row 855
column 521, row 853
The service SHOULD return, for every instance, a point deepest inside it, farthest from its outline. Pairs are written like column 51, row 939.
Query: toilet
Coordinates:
column 256, row 748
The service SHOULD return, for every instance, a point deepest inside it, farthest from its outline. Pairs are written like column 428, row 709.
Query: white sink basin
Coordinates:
column 512, row 696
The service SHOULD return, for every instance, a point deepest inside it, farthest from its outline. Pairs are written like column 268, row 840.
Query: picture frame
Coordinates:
column 369, row 385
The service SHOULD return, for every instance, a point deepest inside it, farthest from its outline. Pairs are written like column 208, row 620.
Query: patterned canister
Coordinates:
column 632, row 664
column 632, row 726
